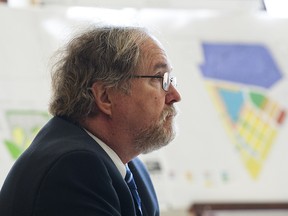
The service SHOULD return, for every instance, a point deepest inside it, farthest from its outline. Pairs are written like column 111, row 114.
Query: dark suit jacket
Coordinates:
column 65, row 172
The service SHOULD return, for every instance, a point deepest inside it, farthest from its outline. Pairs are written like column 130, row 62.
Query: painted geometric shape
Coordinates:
column 254, row 144
column 258, row 99
column 233, row 101
column 23, row 125
column 252, row 120
column 249, row 64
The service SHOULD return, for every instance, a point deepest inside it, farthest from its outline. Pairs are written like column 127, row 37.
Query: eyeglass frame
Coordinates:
column 171, row 79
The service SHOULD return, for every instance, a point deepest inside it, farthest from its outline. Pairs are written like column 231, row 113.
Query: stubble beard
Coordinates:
column 158, row 134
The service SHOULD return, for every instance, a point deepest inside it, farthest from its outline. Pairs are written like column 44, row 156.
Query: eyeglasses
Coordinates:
column 167, row 79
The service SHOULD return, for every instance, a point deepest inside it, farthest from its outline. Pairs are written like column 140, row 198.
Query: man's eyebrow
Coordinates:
column 162, row 66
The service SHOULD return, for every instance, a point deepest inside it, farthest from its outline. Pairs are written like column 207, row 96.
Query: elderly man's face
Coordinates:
column 148, row 110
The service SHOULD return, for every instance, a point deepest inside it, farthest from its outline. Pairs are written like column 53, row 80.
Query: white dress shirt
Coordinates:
column 114, row 157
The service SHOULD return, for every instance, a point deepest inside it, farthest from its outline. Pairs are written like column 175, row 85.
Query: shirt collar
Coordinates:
column 114, row 157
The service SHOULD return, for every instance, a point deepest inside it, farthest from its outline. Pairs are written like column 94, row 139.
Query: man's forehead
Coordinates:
column 154, row 56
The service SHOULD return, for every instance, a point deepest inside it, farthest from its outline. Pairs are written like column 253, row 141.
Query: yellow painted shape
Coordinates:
column 18, row 136
column 269, row 143
column 254, row 167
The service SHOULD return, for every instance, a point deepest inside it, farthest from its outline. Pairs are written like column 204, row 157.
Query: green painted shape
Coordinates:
column 258, row 99
column 14, row 150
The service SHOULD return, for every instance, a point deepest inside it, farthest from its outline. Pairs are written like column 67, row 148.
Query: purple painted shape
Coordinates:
column 250, row 64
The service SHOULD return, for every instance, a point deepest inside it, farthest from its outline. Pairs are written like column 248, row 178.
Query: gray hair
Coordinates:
column 108, row 54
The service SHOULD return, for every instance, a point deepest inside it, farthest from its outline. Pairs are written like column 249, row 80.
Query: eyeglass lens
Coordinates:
column 167, row 80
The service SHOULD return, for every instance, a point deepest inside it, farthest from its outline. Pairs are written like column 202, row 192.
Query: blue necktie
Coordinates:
column 132, row 186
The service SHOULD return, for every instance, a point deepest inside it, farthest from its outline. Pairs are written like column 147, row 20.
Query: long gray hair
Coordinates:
column 108, row 54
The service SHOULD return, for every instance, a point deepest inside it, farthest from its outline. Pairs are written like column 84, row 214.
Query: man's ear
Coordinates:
column 101, row 96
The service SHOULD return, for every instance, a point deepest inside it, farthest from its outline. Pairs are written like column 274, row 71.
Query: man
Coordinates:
column 112, row 100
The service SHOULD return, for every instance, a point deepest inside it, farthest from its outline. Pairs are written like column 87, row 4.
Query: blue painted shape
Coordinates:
column 250, row 64
column 233, row 101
